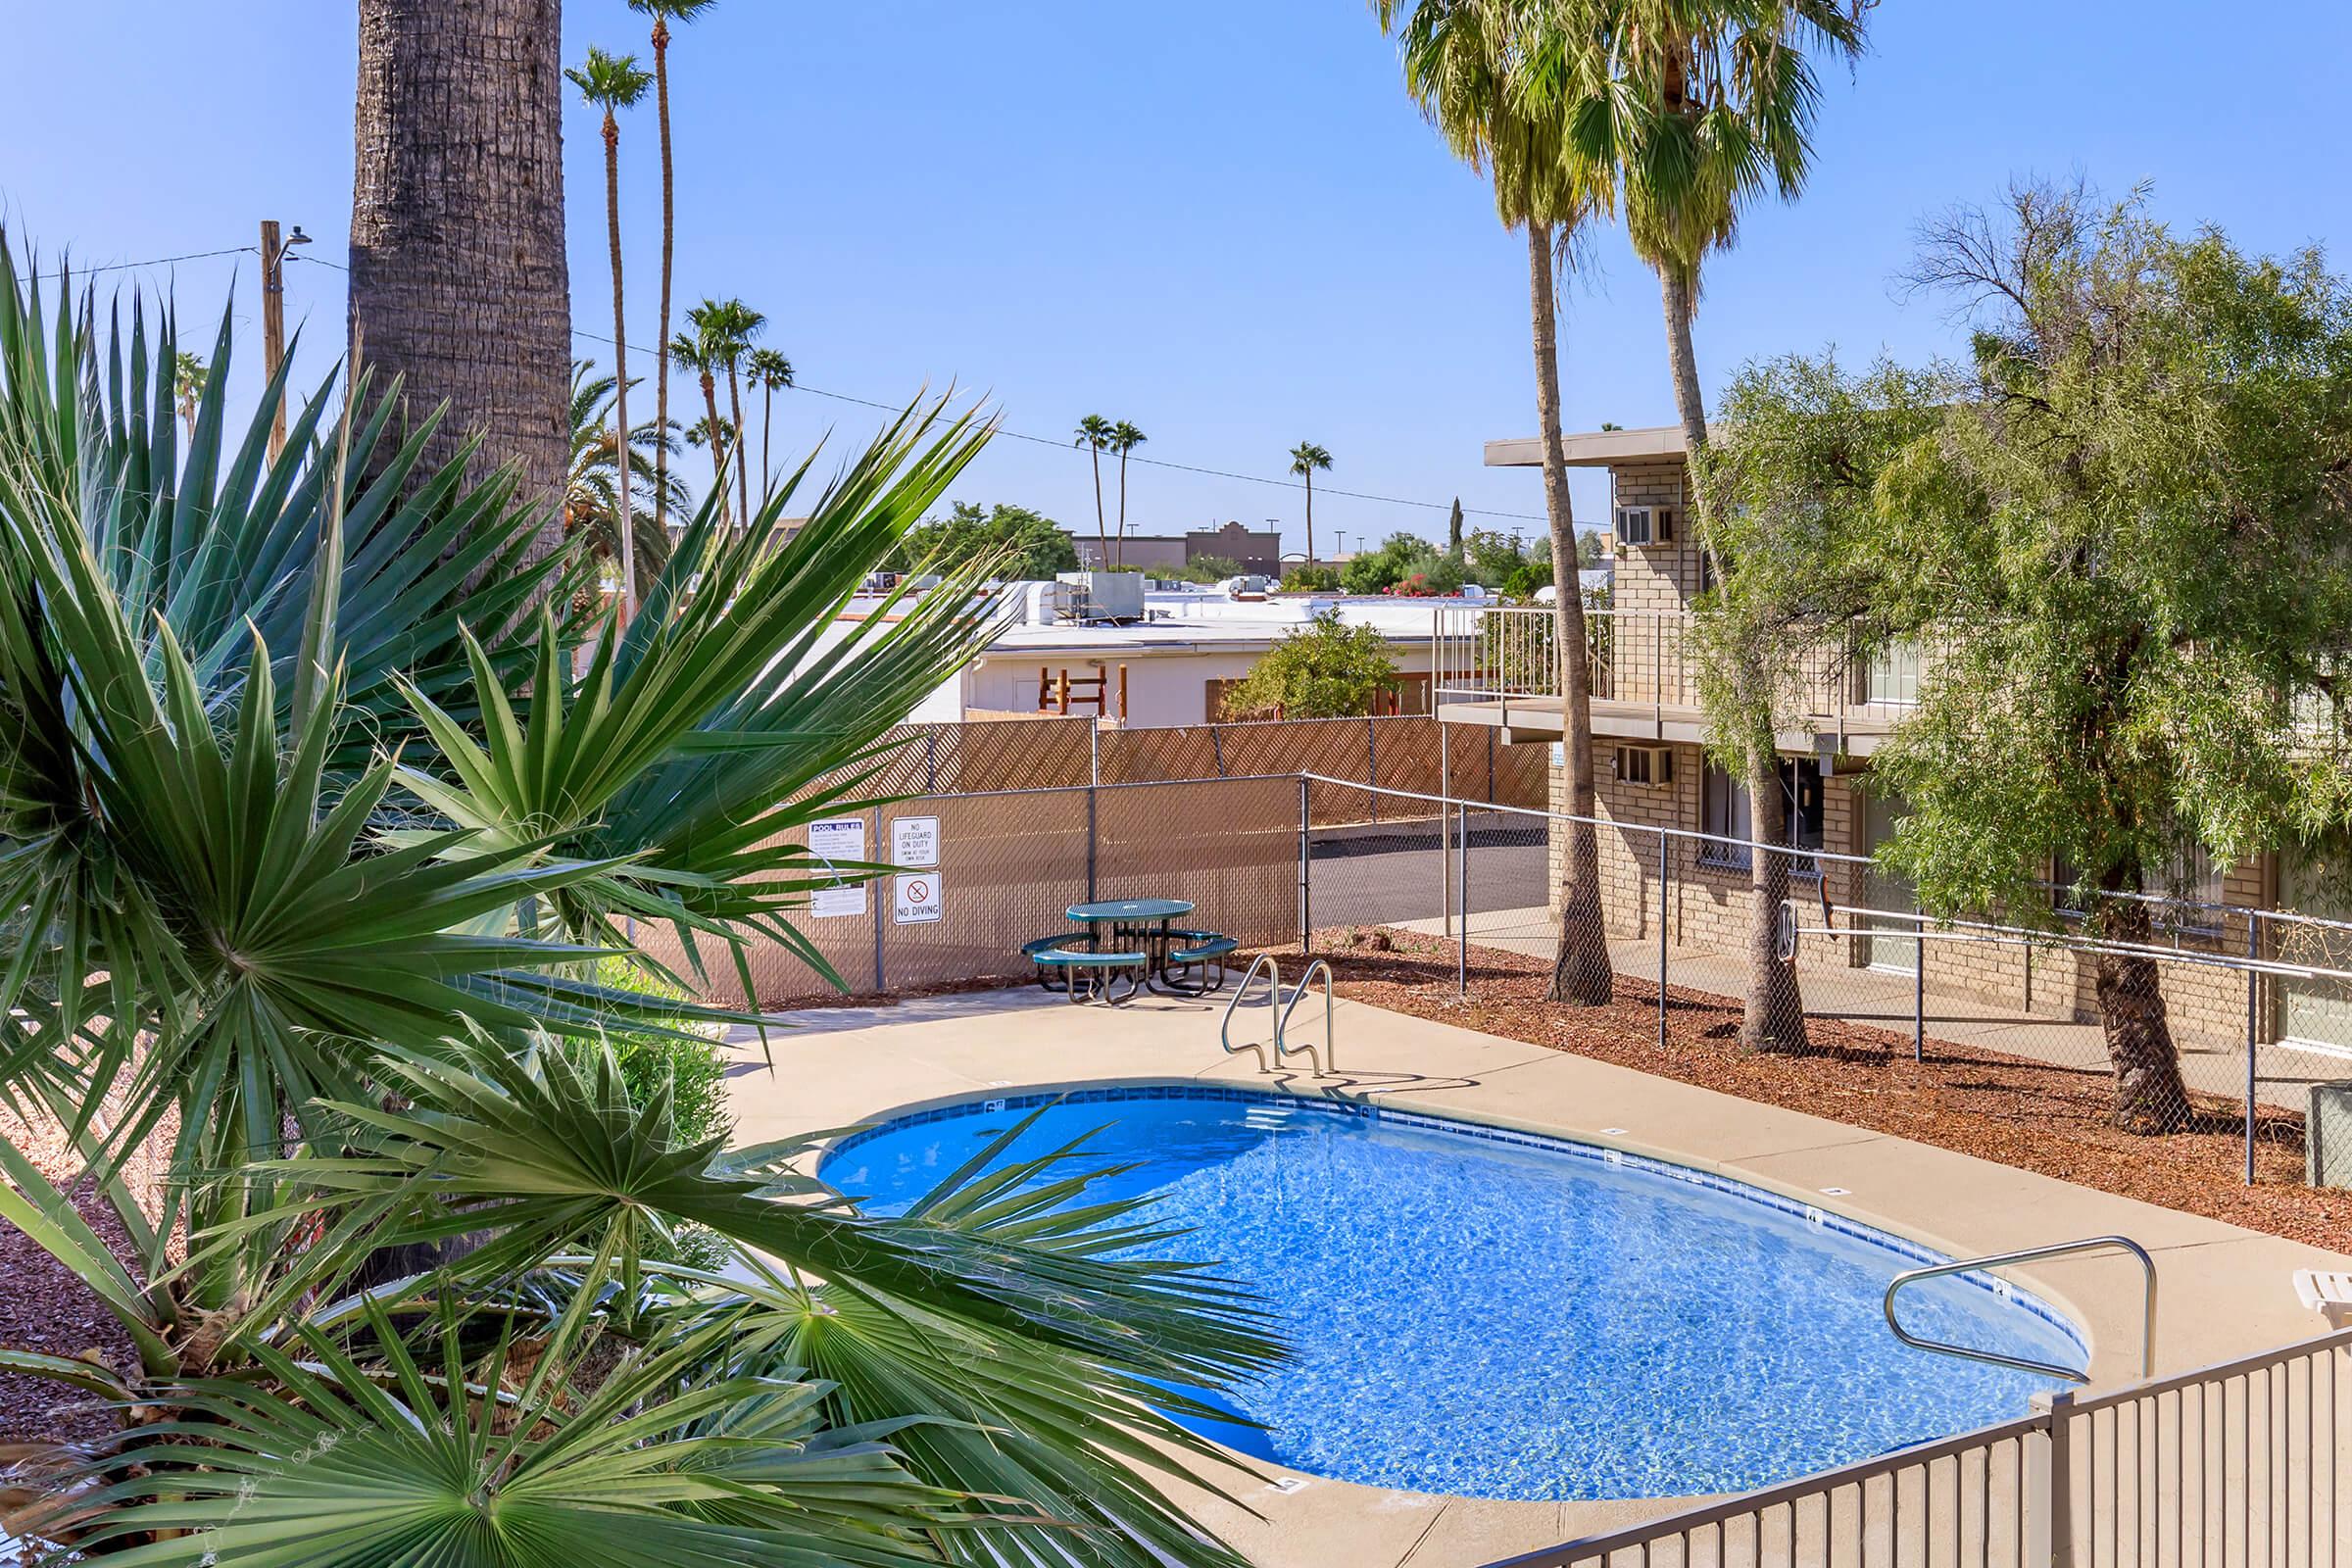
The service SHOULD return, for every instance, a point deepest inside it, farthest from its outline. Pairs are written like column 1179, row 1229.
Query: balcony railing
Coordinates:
column 1648, row 661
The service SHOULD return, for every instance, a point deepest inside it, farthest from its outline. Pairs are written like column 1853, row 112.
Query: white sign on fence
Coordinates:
column 915, row 841
column 837, row 838
column 919, row 900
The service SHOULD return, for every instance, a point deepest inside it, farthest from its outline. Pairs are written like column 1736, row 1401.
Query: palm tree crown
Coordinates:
column 727, row 328
column 1306, row 459
column 611, row 83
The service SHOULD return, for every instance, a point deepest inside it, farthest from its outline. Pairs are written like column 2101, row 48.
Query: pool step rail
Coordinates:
column 1280, row 1008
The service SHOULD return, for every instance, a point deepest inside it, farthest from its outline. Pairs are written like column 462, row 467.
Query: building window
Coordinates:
column 1725, row 814
column 1891, row 680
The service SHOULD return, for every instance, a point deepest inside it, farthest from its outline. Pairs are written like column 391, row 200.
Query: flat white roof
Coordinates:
column 1590, row 448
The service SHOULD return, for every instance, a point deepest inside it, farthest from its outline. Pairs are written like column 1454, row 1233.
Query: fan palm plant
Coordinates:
column 612, row 83
column 1095, row 434
column 769, row 372
column 319, row 825
column 592, row 485
column 1460, row 60
column 664, row 13
column 1124, row 439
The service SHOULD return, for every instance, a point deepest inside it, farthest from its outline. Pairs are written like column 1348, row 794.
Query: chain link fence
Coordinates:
column 1411, row 752
column 2200, row 1021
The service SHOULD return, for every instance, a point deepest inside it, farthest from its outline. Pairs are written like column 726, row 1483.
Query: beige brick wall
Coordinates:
column 1707, row 909
column 1658, row 577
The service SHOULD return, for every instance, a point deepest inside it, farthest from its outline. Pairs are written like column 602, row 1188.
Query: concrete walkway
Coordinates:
column 1885, row 999
column 2226, row 1291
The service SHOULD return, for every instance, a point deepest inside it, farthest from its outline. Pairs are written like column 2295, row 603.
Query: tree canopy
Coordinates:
column 1021, row 544
column 2120, row 541
column 1327, row 669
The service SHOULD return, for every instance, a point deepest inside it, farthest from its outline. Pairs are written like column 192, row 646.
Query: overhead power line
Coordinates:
column 894, row 407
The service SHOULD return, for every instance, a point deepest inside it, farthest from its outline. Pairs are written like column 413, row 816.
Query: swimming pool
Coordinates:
column 1495, row 1314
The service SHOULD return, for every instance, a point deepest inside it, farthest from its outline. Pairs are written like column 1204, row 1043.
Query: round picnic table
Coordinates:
column 1134, row 918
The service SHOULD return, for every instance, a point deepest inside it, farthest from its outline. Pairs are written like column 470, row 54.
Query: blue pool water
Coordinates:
column 1493, row 1315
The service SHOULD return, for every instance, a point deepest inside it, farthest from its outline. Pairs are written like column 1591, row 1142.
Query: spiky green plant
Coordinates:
column 320, row 823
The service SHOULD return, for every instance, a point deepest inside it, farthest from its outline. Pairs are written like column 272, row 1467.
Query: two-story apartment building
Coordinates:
column 1650, row 729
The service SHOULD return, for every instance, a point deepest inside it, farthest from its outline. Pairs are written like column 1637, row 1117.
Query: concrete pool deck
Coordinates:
column 2223, row 1291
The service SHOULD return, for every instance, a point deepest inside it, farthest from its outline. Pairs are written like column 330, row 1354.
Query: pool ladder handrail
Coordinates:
column 1264, row 962
column 1282, row 1025
column 2031, row 1255
column 1279, row 1009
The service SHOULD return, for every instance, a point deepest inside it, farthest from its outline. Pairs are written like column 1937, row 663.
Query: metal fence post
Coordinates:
column 1094, row 759
column 1090, row 843
column 1306, row 860
column 1919, row 988
column 1447, row 851
column 1665, row 874
column 1462, row 833
column 2253, row 1025
column 2049, row 1499
column 881, row 886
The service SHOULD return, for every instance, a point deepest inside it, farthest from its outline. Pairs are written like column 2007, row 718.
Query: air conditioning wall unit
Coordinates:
column 1646, row 766
column 1642, row 527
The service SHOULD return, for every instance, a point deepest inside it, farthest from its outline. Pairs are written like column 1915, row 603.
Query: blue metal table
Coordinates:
column 1145, row 919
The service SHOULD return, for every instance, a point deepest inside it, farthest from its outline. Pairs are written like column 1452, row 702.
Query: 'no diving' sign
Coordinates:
column 918, row 901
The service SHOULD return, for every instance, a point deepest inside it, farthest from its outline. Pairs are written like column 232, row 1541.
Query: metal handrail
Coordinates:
column 1265, row 961
column 1321, row 1063
column 2031, row 1255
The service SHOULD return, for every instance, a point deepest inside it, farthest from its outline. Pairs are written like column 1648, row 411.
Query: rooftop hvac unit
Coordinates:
column 1107, row 594
column 1645, row 525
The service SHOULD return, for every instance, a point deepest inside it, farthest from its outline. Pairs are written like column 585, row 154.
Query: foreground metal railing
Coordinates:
column 2225, row 1466
column 2029, row 1254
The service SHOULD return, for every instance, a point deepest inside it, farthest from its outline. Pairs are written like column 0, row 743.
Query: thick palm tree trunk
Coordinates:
column 1580, row 970
column 1775, row 1015
column 458, row 281
column 620, row 375
column 668, row 241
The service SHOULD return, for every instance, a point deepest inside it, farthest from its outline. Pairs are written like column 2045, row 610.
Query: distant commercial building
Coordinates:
column 1252, row 550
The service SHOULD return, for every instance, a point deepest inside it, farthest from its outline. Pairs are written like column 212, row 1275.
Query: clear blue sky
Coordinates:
column 1223, row 223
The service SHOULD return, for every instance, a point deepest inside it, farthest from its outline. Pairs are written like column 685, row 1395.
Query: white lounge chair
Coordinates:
column 2329, row 1292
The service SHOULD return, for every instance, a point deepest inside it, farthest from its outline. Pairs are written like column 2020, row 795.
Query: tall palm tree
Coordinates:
column 1094, row 434
column 664, row 13
column 1306, row 459
column 727, row 328
column 188, row 387
column 1459, row 58
column 693, row 351
column 1694, row 108
column 313, row 841
column 769, row 372
column 1124, row 438
column 458, row 215
column 612, row 83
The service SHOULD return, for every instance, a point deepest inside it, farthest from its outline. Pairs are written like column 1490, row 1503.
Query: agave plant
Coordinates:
column 319, row 813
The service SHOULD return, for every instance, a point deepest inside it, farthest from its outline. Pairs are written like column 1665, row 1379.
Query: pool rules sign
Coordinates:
column 915, row 844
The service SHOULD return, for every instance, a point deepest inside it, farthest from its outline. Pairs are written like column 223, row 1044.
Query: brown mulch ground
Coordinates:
column 2019, row 1112
column 44, row 1306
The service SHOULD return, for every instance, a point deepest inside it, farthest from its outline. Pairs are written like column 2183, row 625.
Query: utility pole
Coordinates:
column 273, row 317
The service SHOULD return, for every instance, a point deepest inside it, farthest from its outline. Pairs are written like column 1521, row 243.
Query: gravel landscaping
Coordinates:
column 2018, row 1112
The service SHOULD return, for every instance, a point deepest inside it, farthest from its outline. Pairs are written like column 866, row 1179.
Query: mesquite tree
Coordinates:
column 2122, row 537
